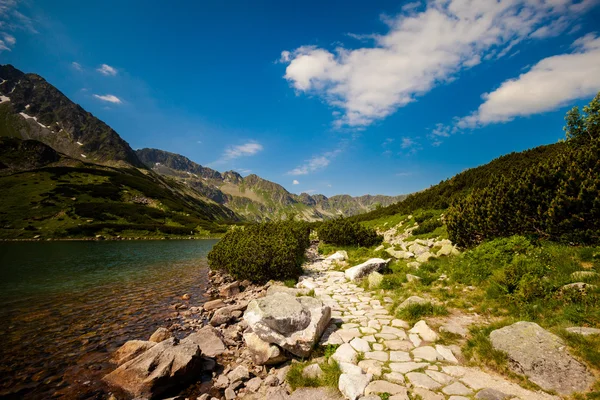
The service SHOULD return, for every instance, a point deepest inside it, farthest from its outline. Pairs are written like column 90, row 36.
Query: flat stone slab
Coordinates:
column 419, row 379
column 377, row 387
column 542, row 357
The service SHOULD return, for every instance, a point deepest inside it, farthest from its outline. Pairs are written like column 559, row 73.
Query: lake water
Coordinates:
column 66, row 306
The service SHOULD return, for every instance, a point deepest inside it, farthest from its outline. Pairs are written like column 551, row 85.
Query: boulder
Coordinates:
column 161, row 368
column 412, row 300
column 446, row 250
column 422, row 329
column 425, row 257
column 208, row 340
column 159, row 335
column 293, row 323
column 131, row 350
column 412, row 278
column 340, row 255
column 542, row 357
column 375, row 279
column 263, row 353
column 413, row 264
column 359, row 271
column 418, row 249
column 226, row 314
column 578, row 287
column 230, row 290
column 399, row 254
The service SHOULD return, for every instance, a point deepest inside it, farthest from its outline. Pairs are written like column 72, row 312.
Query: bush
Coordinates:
column 260, row 252
column 428, row 226
column 554, row 198
column 343, row 232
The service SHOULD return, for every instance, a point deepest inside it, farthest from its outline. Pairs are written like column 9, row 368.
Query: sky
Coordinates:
column 337, row 97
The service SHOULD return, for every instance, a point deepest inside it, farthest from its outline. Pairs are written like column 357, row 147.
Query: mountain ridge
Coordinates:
column 252, row 194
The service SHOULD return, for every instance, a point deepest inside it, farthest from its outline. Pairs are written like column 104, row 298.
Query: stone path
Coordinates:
column 378, row 353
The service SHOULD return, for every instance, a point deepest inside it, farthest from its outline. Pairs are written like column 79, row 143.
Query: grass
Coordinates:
column 416, row 312
column 330, row 377
column 58, row 202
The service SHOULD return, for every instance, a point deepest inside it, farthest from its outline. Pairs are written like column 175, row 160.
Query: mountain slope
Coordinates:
column 254, row 197
column 53, row 195
column 34, row 109
column 454, row 189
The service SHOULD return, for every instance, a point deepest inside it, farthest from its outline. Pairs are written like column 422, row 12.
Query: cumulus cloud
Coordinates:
column 315, row 163
column 107, row 70
column 422, row 49
column 109, row 98
column 551, row 83
column 295, row 182
column 242, row 150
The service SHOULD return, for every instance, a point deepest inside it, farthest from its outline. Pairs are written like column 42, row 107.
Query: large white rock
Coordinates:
column 361, row 270
column 292, row 323
column 353, row 386
column 542, row 357
column 423, row 330
column 345, row 354
column 418, row 249
column 340, row 255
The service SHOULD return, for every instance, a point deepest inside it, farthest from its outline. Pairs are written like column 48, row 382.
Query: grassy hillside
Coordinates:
column 51, row 195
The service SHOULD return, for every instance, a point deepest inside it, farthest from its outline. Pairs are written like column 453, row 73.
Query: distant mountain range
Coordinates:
column 78, row 145
column 254, row 197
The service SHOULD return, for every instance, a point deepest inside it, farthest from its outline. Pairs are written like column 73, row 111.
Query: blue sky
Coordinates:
column 352, row 97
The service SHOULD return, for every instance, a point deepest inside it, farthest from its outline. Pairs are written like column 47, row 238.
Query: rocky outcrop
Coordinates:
column 361, row 270
column 164, row 366
column 293, row 323
column 542, row 357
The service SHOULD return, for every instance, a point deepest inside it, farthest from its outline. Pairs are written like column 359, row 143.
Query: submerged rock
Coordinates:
column 542, row 357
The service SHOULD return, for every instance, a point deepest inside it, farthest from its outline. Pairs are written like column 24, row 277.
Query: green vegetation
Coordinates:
column 343, row 232
column 260, row 252
column 329, row 377
column 416, row 312
column 59, row 202
column 554, row 198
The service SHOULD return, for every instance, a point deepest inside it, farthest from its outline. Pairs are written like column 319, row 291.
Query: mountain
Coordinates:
column 65, row 173
column 253, row 197
column 31, row 108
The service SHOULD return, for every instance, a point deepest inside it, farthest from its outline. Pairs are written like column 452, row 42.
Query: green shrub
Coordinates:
column 421, row 216
column 477, row 265
column 343, row 232
column 260, row 252
column 554, row 198
column 427, row 226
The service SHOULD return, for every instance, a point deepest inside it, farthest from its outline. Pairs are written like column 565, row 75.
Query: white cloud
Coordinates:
column 3, row 46
column 407, row 143
column 551, row 83
column 77, row 66
column 107, row 70
column 295, row 182
column 9, row 39
column 108, row 97
column 422, row 49
column 315, row 163
column 242, row 150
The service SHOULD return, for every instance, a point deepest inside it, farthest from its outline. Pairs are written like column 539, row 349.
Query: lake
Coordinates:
column 66, row 306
